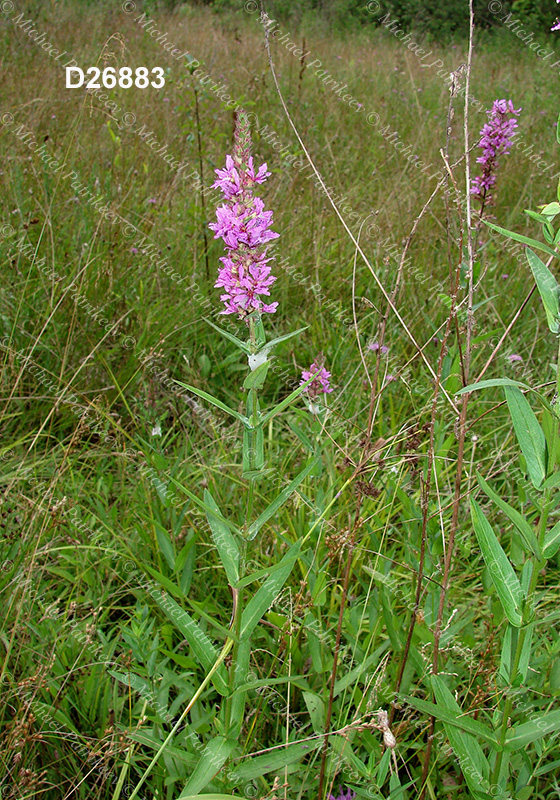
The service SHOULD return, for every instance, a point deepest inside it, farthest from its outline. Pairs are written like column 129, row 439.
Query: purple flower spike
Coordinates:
column 321, row 382
column 496, row 137
column 244, row 226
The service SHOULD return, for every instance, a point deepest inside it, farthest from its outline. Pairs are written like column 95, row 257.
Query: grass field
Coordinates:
column 116, row 606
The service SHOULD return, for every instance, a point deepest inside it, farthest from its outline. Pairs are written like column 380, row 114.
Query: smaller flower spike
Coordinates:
column 496, row 138
column 348, row 795
column 321, row 381
column 244, row 226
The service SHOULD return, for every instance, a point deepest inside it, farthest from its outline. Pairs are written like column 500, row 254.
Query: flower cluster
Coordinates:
column 496, row 138
column 244, row 226
column 320, row 382
column 348, row 795
column 556, row 26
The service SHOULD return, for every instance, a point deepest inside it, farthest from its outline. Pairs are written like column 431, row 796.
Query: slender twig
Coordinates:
column 202, row 195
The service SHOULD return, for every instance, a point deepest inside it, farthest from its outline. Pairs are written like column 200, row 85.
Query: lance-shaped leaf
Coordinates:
column 201, row 647
column 287, row 400
column 548, row 289
column 524, row 239
column 472, row 760
column 214, row 401
column 275, row 760
column 280, row 500
column 213, row 796
column 518, row 520
column 212, row 759
column 201, row 504
column 528, row 732
column 444, row 715
column 472, row 387
column 224, row 540
column 257, row 377
column 552, row 541
column 259, row 604
column 503, row 576
column 279, row 339
column 529, row 434
column 242, row 346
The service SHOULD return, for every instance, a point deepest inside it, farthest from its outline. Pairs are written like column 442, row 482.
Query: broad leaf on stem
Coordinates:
column 503, row 576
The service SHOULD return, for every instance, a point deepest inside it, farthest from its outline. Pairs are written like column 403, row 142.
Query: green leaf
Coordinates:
column 210, row 797
column 472, row 387
column 165, row 544
column 198, row 502
column 343, row 748
column 214, row 401
column 553, row 482
column 298, row 680
column 528, row 732
column 548, row 290
column 202, row 649
column 287, row 401
column 472, row 760
column 212, row 759
column 502, row 573
column 257, row 377
column 242, row 346
column 518, row 520
column 529, row 434
column 524, row 239
column 280, row 500
column 304, row 439
column 551, row 541
column 275, row 760
column 224, row 540
column 316, row 709
column 274, row 342
column 268, row 592
column 465, row 723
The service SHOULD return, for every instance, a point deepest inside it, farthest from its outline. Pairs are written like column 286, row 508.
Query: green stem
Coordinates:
column 236, row 627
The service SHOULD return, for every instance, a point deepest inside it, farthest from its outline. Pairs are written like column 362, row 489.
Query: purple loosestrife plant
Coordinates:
column 245, row 276
column 496, row 137
column 515, row 582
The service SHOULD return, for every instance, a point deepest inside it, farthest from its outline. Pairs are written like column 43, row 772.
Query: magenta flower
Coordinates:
column 556, row 26
column 321, row 381
column 244, row 226
column 374, row 346
column 513, row 358
column 348, row 795
column 496, row 138
column 230, row 182
column 238, row 225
